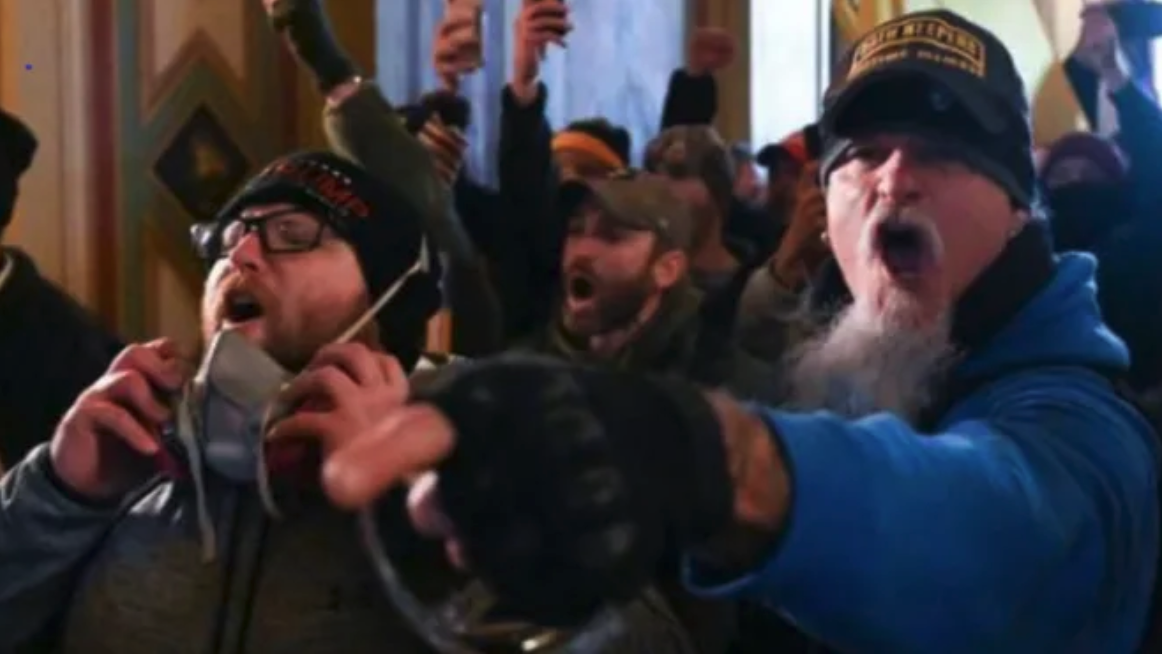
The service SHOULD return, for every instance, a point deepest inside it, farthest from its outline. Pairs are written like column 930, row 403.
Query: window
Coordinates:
column 617, row 65
column 404, row 69
column 790, row 58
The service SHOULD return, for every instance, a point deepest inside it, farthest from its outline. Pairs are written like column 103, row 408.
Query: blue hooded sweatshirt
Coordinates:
column 1028, row 523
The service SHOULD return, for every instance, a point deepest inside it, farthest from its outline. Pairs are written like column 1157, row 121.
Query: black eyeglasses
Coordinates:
column 286, row 231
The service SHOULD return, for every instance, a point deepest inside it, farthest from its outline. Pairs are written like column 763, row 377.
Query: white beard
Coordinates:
column 868, row 362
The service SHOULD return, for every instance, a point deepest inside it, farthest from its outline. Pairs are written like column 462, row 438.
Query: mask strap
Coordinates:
column 422, row 264
column 186, row 433
column 265, row 491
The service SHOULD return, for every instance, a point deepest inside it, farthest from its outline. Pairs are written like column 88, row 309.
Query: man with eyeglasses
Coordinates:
column 128, row 534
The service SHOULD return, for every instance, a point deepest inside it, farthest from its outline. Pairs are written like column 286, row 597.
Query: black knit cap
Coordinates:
column 936, row 74
column 384, row 229
column 617, row 138
column 17, row 147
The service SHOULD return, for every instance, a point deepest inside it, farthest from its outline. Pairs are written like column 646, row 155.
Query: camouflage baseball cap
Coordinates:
column 694, row 151
column 636, row 201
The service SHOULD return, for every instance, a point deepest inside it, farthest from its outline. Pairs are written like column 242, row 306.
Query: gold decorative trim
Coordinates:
column 156, row 86
column 162, row 246
column 854, row 18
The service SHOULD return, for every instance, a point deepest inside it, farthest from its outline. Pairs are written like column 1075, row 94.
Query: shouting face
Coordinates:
column 612, row 273
column 285, row 281
column 911, row 228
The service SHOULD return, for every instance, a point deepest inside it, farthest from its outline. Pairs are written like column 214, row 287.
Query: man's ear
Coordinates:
column 670, row 268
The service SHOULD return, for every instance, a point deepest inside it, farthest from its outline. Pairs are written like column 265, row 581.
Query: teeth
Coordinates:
column 241, row 306
column 241, row 299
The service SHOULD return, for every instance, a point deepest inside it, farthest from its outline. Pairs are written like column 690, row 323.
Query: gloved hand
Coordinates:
column 311, row 40
column 568, row 484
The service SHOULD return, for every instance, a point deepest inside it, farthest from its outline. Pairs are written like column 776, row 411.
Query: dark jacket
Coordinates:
column 1129, row 277
column 690, row 100
column 51, row 349
column 677, row 340
column 1030, row 399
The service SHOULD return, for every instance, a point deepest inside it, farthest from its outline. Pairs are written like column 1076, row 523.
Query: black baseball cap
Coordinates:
column 936, row 72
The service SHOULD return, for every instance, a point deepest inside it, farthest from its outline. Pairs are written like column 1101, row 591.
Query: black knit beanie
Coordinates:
column 17, row 147
column 382, row 227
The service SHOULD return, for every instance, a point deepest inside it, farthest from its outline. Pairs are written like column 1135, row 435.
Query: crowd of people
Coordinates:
column 891, row 384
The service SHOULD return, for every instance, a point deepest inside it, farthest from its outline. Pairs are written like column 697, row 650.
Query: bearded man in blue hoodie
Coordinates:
column 953, row 471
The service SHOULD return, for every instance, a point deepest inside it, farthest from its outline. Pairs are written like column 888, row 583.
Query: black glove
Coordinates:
column 568, row 484
column 310, row 39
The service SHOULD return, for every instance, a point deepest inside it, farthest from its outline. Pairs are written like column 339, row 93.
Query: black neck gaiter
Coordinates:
column 1083, row 214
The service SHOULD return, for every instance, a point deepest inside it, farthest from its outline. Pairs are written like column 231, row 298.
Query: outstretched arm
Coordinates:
column 991, row 534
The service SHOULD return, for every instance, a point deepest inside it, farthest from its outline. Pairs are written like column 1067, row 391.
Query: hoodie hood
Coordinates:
column 1061, row 325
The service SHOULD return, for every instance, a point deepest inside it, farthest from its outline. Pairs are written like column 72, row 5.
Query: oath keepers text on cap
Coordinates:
column 920, row 39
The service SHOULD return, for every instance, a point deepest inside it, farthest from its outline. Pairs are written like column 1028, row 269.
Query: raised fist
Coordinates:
column 711, row 50
column 1098, row 44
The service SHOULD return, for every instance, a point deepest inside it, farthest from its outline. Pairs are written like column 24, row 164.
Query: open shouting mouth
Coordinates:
column 904, row 248
column 241, row 307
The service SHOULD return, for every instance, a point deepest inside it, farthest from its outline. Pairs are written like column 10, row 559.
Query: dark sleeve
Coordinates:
column 477, row 291
column 51, row 355
column 755, row 226
column 366, row 129
column 1130, row 283
column 1140, row 137
column 690, row 100
column 478, row 207
column 528, row 183
column 1085, row 87
column 525, row 159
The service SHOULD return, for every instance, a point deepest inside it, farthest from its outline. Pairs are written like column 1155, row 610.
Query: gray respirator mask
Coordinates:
column 226, row 410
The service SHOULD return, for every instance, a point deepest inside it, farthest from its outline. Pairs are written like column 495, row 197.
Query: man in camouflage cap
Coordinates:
column 628, row 295
column 625, row 256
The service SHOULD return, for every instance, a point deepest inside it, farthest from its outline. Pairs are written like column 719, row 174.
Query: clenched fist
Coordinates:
column 711, row 50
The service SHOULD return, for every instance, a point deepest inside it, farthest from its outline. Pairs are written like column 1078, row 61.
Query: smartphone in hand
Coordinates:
column 472, row 12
